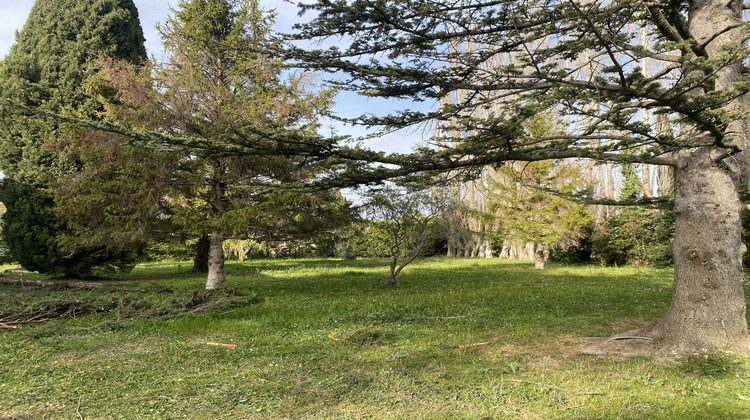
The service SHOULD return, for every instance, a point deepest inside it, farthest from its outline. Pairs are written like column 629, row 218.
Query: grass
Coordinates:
column 322, row 339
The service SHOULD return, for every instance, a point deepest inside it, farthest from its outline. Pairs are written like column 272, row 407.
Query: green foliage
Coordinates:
column 403, row 219
column 372, row 239
column 529, row 202
column 46, row 68
column 32, row 233
column 213, row 85
column 635, row 235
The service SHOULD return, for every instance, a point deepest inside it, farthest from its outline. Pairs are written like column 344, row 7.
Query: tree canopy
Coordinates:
column 490, row 65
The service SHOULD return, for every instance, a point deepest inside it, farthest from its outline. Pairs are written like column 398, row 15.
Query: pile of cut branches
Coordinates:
column 124, row 306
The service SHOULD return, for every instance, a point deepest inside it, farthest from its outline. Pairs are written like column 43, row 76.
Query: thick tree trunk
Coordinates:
column 200, row 262
column 215, row 261
column 708, row 303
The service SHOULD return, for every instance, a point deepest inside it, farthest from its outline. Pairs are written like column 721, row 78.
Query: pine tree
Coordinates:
column 45, row 69
column 517, row 59
column 523, row 208
column 212, row 86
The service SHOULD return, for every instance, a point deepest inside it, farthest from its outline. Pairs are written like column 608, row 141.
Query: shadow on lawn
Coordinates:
column 513, row 295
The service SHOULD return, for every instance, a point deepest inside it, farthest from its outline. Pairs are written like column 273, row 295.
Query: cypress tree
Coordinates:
column 46, row 68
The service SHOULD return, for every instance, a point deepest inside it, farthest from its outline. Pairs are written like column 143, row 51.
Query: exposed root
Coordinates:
column 643, row 341
column 630, row 338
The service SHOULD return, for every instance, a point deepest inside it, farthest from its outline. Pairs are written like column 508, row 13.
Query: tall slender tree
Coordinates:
column 45, row 69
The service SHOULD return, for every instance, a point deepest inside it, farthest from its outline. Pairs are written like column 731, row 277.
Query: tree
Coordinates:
column 528, row 202
column 635, row 235
column 526, row 212
column 213, row 85
column 46, row 68
column 404, row 218
column 428, row 49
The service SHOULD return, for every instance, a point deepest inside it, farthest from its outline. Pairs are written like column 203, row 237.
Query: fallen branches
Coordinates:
column 27, row 283
column 43, row 313
column 466, row 346
column 136, row 306
column 85, row 285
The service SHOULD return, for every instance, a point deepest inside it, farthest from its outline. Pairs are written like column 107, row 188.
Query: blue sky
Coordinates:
column 15, row 12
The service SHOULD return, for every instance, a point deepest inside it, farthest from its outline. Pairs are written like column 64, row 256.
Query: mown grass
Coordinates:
column 459, row 339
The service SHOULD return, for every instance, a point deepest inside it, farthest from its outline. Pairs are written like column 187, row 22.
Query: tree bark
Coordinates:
column 216, row 275
column 393, row 278
column 539, row 256
column 708, row 303
column 392, row 281
column 200, row 262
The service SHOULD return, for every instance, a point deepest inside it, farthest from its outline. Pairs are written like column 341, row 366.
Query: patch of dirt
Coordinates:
column 646, row 341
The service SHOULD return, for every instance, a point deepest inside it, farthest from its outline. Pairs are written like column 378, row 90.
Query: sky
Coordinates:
column 151, row 12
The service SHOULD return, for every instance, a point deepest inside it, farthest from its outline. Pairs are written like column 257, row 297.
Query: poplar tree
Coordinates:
column 45, row 69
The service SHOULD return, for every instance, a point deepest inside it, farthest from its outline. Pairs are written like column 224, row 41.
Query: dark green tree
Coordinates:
column 492, row 64
column 45, row 69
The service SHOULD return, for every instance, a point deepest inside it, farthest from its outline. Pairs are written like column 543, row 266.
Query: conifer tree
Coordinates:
column 523, row 58
column 213, row 85
column 45, row 69
column 527, row 202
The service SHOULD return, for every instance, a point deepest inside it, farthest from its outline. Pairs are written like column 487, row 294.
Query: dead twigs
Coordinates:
column 78, row 407
column 36, row 316
column 85, row 285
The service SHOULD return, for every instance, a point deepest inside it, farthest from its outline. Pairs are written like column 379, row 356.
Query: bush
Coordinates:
column 33, row 234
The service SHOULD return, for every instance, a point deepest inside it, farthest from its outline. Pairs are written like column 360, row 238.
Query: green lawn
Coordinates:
column 322, row 339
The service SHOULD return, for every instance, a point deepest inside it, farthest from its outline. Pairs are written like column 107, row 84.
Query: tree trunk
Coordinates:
column 345, row 255
column 200, row 262
column 539, row 256
column 646, row 181
column 215, row 261
column 393, row 278
column 392, row 281
column 708, row 303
